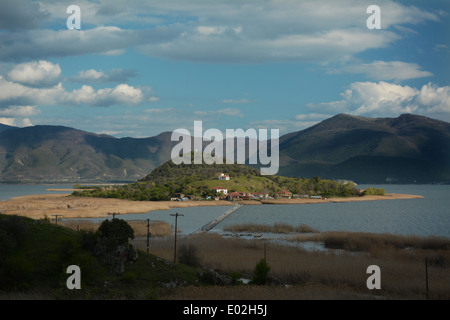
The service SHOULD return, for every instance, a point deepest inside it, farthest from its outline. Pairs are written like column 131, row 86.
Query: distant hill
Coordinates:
column 58, row 154
column 406, row 149
column 4, row 127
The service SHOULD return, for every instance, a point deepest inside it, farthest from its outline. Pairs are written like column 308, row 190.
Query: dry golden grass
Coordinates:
column 402, row 271
column 157, row 228
column 38, row 206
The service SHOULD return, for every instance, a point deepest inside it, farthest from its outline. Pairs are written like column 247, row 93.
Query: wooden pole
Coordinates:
column 265, row 251
column 56, row 217
column 113, row 214
column 148, row 234
column 176, row 227
column 426, row 275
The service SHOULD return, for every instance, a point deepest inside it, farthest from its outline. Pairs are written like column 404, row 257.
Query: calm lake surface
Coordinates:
column 422, row 217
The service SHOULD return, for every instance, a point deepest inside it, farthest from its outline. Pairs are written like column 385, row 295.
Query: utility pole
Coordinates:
column 113, row 214
column 426, row 275
column 265, row 251
column 148, row 234
column 175, row 246
column 56, row 217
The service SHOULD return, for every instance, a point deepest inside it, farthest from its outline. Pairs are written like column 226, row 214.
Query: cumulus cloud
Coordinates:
column 36, row 73
column 12, row 93
column 387, row 99
column 19, row 111
column 121, row 94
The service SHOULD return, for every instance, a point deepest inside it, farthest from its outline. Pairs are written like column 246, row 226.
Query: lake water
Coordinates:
column 422, row 217
column 8, row 191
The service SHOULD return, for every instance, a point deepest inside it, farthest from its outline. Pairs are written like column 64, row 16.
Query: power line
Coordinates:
column 176, row 215
column 56, row 217
column 148, row 234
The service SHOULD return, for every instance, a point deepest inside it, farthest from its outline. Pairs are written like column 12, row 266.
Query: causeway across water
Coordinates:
column 213, row 223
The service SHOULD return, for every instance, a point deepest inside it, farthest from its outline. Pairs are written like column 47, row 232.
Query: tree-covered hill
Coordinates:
column 197, row 181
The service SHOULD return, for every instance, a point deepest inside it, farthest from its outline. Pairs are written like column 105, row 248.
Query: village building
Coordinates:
column 234, row 196
column 224, row 176
column 284, row 193
column 260, row 195
column 218, row 190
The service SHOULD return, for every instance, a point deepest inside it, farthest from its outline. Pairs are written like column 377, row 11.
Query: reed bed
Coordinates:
column 338, row 271
column 360, row 241
column 278, row 227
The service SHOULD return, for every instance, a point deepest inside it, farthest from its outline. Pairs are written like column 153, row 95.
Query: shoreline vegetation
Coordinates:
column 212, row 267
column 72, row 207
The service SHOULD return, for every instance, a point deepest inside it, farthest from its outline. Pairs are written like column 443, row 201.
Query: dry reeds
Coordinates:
column 360, row 241
column 278, row 227
column 157, row 228
column 402, row 271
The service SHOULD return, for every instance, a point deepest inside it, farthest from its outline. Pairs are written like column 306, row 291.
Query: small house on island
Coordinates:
column 218, row 190
column 224, row 176
column 284, row 193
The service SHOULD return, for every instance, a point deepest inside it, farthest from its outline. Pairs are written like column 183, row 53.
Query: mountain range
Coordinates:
column 406, row 149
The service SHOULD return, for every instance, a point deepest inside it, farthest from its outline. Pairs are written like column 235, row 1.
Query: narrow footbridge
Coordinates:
column 216, row 221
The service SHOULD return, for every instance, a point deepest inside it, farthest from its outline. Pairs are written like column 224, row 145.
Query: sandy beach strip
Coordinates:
column 69, row 207
column 387, row 196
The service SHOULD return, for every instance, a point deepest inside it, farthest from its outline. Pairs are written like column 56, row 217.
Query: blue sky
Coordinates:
column 139, row 68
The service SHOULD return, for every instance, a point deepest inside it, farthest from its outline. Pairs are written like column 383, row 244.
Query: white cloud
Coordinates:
column 94, row 76
column 90, row 75
column 206, row 30
column 12, row 93
column 8, row 121
column 19, row 111
column 25, row 122
column 153, row 99
column 434, row 99
column 232, row 112
column 387, row 70
column 238, row 101
column 121, row 94
column 36, row 73
column 379, row 99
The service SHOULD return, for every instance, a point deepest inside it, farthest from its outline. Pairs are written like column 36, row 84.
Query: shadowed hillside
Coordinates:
column 408, row 149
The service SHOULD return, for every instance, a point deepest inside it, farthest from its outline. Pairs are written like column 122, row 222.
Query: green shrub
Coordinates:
column 260, row 273
column 187, row 254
